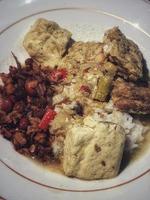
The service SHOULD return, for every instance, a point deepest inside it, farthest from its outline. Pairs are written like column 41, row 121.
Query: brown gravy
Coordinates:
column 143, row 147
column 145, row 144
column 130, row 158
column 54, row 167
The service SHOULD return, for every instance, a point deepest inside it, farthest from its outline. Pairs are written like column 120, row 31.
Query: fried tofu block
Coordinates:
column 93, row 150
column 125, row 53
column 46, row 42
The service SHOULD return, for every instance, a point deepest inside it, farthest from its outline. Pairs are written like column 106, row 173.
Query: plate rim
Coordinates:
column 84, row 9
column 73, row 190
column 76, row 8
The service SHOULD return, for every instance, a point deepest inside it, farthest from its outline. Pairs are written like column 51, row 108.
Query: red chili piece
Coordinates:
column 30, row 86
column 58, row 75
column 85, row 88
column 47, row 118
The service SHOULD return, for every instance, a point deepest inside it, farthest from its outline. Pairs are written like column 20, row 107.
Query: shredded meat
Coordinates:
column 24, row 96
column 131, row 98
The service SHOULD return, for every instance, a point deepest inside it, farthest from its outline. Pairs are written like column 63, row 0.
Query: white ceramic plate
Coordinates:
column 21, row 178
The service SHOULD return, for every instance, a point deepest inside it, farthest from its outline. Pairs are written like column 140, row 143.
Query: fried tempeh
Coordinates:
column 125, row 53
column 131, row 98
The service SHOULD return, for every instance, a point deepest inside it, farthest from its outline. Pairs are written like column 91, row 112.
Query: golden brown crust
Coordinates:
column 131, row 98
column 125, row 53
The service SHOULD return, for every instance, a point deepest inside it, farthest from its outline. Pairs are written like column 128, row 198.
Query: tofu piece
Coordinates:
column 93, row 150
column 125, row 53
column 46, row 42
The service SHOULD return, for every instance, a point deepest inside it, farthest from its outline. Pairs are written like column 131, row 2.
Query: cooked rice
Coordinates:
column 134, row 129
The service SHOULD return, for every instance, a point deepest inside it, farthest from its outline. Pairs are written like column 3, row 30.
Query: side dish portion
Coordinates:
column 25, row 97
column 125, row 53
column 93, row 150
column 131, row 98
column 46, row 42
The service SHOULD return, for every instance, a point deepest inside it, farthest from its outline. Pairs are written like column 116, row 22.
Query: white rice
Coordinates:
column 134, row 129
